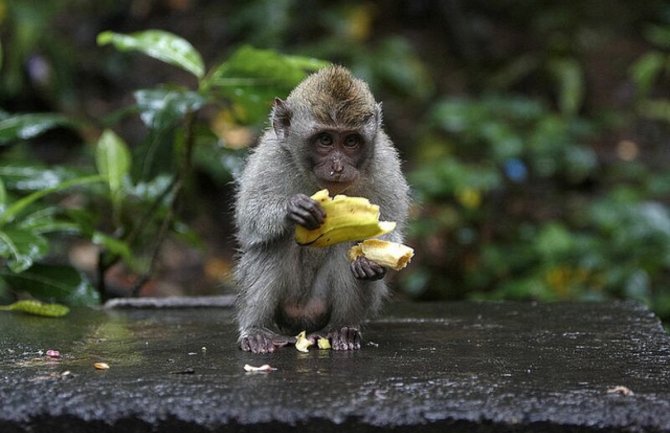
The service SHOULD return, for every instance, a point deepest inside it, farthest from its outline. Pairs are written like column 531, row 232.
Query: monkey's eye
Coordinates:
column 352, row 141
column 324, row 139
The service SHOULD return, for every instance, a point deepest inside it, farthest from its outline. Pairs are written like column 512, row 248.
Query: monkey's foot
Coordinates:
column 345, row 338
column 262, row 342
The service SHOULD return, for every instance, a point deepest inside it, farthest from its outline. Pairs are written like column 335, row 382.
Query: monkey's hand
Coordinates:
column 305, row 211
column 365, row 269
column 262, row 341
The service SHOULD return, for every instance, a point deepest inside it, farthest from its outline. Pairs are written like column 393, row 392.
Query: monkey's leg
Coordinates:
column 359, row 300
column 261, row 290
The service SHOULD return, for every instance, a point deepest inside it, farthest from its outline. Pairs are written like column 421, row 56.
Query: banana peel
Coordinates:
column 347, row 219
column 302, row 343
column 388, row 254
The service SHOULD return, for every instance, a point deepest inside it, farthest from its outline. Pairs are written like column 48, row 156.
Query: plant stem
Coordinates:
column 177, row 186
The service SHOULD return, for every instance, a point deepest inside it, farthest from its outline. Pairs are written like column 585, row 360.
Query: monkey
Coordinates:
column 326, row 134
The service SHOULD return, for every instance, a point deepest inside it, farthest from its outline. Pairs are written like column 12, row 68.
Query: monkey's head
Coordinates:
column 329, row 124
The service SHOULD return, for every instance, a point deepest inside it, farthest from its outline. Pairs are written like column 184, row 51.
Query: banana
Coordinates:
column 388, row 254
column 347, row 219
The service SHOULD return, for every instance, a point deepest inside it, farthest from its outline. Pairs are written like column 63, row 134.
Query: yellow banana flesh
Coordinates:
column 347, row 219
column 388, row 254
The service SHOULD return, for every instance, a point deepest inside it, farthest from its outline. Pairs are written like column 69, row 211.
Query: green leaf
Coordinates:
column 34, row 178
column 568, row 73
column 554, row 242
column 160, row 45
column 18, row 206
column 42, row 221
column 252, row 78
column 37, row 308
column 54, row 283
column 656, row 109
column 113, row 160
column 25, row 126
column 3, row 196
column 21, row 248
column 160, row 108
column 113, row 245
column 659, row 35
column 646, row 70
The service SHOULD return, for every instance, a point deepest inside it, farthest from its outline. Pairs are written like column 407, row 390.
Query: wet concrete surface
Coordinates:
column 463, row 367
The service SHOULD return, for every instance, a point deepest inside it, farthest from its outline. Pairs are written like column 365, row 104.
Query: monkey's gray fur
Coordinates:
column 272, row 269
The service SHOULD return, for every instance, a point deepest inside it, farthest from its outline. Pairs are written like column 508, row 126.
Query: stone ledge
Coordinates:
column 484, row 367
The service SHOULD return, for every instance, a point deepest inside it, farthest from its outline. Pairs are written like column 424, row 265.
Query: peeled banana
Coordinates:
column 347, row 219
column 388, row 254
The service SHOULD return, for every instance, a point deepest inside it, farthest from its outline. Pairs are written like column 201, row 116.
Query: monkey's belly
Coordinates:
column 293, row 317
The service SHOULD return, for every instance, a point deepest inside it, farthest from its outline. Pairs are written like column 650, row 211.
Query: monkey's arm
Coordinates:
column 267, row 206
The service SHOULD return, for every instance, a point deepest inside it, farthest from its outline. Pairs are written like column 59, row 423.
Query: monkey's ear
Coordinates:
column 281, row 118
column 373, row 122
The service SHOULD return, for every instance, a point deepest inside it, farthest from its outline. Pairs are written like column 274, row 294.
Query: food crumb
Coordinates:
column 263, row 368
column 623, row 390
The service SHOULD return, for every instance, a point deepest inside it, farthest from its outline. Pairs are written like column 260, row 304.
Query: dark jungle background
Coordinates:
column 535, row 136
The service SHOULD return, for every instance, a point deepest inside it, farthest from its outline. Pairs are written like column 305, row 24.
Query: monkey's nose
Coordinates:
column 337, row 167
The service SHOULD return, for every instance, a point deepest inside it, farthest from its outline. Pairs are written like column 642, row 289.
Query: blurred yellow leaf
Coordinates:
column 231, row 134
column 469, row 198
column 360, row 22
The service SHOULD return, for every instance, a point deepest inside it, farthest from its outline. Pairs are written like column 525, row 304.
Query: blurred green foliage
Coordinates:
column 138, row 208
column 535, row 135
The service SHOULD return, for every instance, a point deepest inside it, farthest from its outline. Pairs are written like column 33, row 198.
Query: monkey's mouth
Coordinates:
column 335, row 187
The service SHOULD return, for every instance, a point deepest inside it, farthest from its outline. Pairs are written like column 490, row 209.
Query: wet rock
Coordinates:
column 484, row 367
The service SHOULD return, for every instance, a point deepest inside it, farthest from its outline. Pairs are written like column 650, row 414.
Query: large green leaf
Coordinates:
column 28, row 178
column 20, row 248
column 53, row 283
column 160, row 45
column 18, row 206
column 113, row 160
column 160, row 108
column 25, row 126
column 252, row 78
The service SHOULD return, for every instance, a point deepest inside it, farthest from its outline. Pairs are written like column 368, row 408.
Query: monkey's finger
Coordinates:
column 334, row 340
column 374, row 271
column 308, row 207
column 315, row 212
column 367, row 270
column 305, row 218
column 349, row 338
column 359, row 271
column 281, row 341
column 244, row 344
column 357, row 340
column 261, row 344
column 343, row 339
column 339, row 341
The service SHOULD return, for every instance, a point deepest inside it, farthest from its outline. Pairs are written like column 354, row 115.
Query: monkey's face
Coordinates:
column 336, row 157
